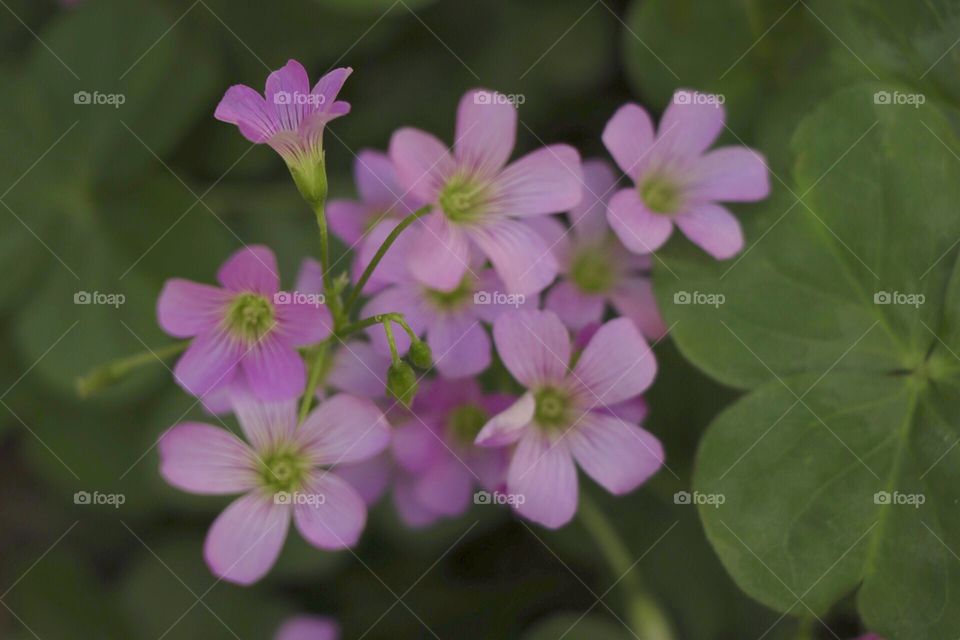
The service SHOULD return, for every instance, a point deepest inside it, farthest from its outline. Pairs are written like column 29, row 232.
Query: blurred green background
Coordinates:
column 114, row 200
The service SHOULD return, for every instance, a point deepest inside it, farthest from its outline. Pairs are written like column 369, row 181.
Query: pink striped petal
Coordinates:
column 460, row 345
column 415, row 446
column 712, row 228
column 520, row 256
column 344, row 429
column 629, row 137
column 209, row 363
column 359, row 369
column 422, row 162
column 617, row 364
column 446, row 487
column 377, row 180
column 347, row 220
column 730, row 174
column 588, row 219
column 639, row 229
column 534, row 346
column 335, row 517
column 370, row 478
column 244, row 541
column 544, row 475
column 247, row 109
column 330, row 85
column 439, row 253
column 618, row 455
column 252, row 268
column 548, row 180
column 301, row 318
column 286, row 92
column 414, row 513
column 204, row 459
column 689, row 126
column 274, row 369
column 486, row 132
column 634, row 299
column 507, row 427
column 575, row 308
column 185, row 308
column 264, row 423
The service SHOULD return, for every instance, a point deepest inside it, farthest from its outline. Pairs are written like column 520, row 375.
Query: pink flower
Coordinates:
column 308, row 628
column 281, row 472
column 596, row 270
column 479, row 202
column 292, row 116
column 677, row 180
column 569, row 413
column 246, row 324
column 452, row 321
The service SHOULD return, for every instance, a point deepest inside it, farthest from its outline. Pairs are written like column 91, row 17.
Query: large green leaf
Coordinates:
column 839, row 313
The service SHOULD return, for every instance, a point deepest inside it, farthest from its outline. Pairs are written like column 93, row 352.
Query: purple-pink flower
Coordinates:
column 566, row 415
column 480, row 202
column 290, row 116
column 596, row 271
column 308, row 628
column 247, row 324
column 677, row 180
column 282, row 470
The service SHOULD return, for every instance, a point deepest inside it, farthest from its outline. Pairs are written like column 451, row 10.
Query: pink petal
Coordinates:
column 347, row 220
column 589, row 218
column 264, row 423
column 519, row 255
column 286, row 93
column 634, row 299
column 439, row 254
column 252, row 268
column 618, row 455
column 446, row 487
column 370, row 478
column 617, row 364
column 713, row 228
column 344, row 429
column 548, row 180
column 507, row 427
column 556, row 235
column 393, row 266
column 201, row 458
column 422, row 162
column 247, row 109
column 185, row 309
column 244, row 541
column 730, row 174
column 406, row 299
column 308, row 628
column 310, row 277
column 274, row 370
column 486, row 132
column 336, row 518
column 460, row 345
column 414, row 513
column 329, row 86
column 534, row 346
column 491, row 300
column 689, row 126
column 209, row 363
column 639, row 229
column 415, row 446
column 376, row 179
column 629, row 137
column 544, row 474
column 633, row 411
column 359, row 369
column 575, row 308
column 301, row 318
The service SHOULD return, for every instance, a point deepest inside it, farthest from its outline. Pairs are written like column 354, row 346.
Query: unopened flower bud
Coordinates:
column 420, row 355
column 402, row 382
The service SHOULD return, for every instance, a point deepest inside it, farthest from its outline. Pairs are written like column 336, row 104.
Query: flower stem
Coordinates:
column 317, row 366
column 378, row 256
column 112, row 372
column 645, row 616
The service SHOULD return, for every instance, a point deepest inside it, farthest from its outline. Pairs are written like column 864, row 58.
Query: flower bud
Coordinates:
column 402, row 382
column 420, row 355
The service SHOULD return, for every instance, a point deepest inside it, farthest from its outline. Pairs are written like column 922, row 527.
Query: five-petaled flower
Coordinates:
column 677, row 180
column 248, row 325
column 479, row 201
column 568, row 412
column 283, row 470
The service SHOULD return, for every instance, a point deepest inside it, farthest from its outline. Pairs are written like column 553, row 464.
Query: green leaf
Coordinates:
column 841, row 313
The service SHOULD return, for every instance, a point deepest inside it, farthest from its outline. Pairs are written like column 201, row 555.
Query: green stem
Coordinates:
column 330, row 296
column 378, row 256
column 112, row 372
column 646, row 618
column 317, row 366
column 388, row 329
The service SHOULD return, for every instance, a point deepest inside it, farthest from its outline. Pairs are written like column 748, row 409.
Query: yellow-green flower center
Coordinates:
column 451, row 300
column 283, row 471
column 552, row 408
column 464, row 423
column 250, row 316
column 661, row 195
column 592, row 271
column 463, row 199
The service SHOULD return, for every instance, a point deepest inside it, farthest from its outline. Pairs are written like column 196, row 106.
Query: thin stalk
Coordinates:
column 110, row 373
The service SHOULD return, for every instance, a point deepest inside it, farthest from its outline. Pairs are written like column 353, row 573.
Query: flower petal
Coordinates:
column 575, row 308
column 406, row 299
column 344, row 429
column 209, row 363
column 446, row 486
column 347, row 220
column 247, row 109
column 415, row 446
column 712, row 228
column 301, row 318
column 263, row 423
column 486, row 131
column 253, row 268
column 376, row 179
column 274, row 370
column 588, row 219
column 359, row 369
column 286, row 92
column 330, row 85
column 618, row 455
column 544, row 475
column 689, row 125
column 634, row 299
column 439, row 254
column 616, row 365
column 308, row 628
column 370, row 478
column 414, row 513
column 520, row 256
column 244, row 541
column 336, row 518
column 534, row 346
column 201, row 458
column 548, row 180
column 639, row 229
column 422, row 162
column 629, row 137
column 460, row 345
column 507, row 427
column 730, row 174
column 185, row 308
